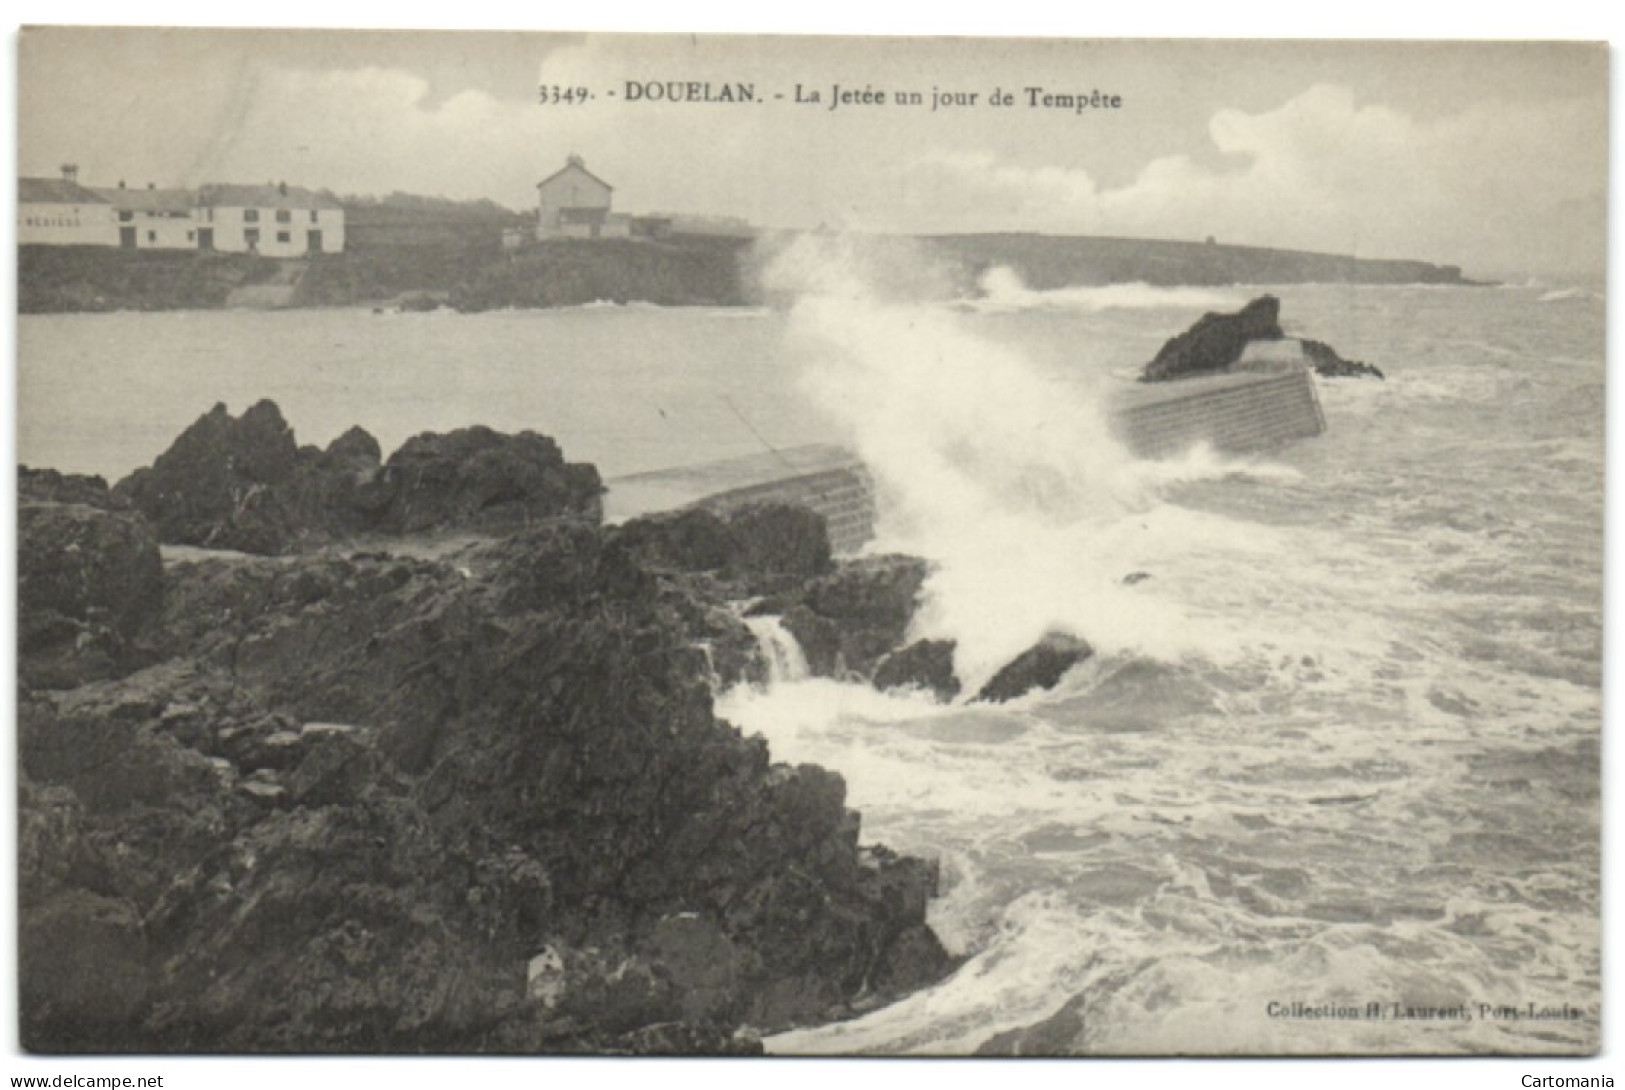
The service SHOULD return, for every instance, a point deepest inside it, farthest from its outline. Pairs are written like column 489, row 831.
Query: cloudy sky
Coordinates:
column 1491, row 156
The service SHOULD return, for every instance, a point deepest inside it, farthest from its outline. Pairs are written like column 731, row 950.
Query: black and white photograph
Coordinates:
column 538, row 544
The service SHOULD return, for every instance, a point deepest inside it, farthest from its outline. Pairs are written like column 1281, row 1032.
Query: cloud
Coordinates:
column 1492, row 187
column 1471, row 178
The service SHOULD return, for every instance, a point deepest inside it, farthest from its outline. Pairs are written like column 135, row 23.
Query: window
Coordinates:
column 284, row 216
column 152, row 236
column 191, row 236
column 251, row 215
column 126, row 217
column 283, row 236
column 312, row 215
column 252, row 237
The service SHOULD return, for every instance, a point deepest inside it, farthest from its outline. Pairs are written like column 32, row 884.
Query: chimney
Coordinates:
column 121, row 183
column 152, row 185
column 70, row 173
column 282, row 188
column 574, row 160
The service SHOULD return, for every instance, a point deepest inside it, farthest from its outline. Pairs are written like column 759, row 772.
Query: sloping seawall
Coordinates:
column 1234, row 413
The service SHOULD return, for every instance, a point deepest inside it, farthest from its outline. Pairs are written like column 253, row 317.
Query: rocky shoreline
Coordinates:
column 332, row 791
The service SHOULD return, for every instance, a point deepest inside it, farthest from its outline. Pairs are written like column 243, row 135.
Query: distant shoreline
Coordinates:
column 470, row 271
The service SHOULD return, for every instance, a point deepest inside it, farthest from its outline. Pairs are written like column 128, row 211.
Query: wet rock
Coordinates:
column 705, row 967
column 765, row 547
column 1216, row 341
column 1328, row 364
column 214, row 485
column 111, row 763
column 1039, row 667
column 435, row 776
column 690, row 1039
column 479, row 478
column 263, row 790
column 923, row 664
column 49, row 486
column 89, row 581
column 777, row 539
column 848, row 620
column 333, row 768
column 690, row 540
column 84, row 971
column 244, row 483
column 1058, row 1035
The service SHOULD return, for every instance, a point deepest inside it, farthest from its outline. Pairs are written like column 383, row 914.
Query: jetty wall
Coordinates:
column 1233, row 413
column 845, row 496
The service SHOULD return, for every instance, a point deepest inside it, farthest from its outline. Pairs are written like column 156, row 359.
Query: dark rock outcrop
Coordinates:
column 923, row 664
column 479, row 478
column 762, row 547
column 1328, row 364
column 88, row 581
column 49, row 486
column 244, row 483
column 848, row 620
column 1216, row 341
column 213, row 485
column 376, row 804
column 929, row 665
column 1039, row 667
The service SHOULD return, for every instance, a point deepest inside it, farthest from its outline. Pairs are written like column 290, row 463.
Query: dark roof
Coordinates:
column 264, row 196
column 54, row 191
column 150, row 200
column 573, row 166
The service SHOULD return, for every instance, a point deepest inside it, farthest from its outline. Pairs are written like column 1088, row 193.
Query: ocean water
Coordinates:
column 1340, row 749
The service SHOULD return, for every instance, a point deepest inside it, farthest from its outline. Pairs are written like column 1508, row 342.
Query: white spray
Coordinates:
column 1008, row 478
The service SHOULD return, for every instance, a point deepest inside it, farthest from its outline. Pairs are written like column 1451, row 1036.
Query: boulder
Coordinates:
column 479, row 478
column 1216, row 341
column 212, row 487
column 923, row 664
column 84, row 971
column 689, row 540
column 779, row 539
column 848, row 620
column 49, row 486
column 1328, row 364
column 1039, row 667
column 89, row 582
column 764, row 547
column 244, row 483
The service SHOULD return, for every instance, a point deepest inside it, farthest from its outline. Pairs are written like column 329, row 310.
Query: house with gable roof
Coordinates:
column 61, row 212
column 575, row 203
column 279, row 220
column 153, row 218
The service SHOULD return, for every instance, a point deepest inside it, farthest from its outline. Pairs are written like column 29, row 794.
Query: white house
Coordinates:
column 61, row 212
column 269, row 220
column 154, row 219
column 574, row 203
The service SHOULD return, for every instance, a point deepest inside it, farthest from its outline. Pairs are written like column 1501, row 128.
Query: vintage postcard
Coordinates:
column 604, row 544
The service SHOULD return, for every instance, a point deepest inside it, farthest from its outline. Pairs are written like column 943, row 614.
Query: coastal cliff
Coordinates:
column 461, row 263
column 342, row 800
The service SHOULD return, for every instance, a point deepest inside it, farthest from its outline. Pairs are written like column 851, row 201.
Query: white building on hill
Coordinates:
column 152, row 218
column 61, row 212
column 270, row 220
column 575, row 203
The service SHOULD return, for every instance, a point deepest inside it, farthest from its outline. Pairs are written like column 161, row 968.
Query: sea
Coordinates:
column 1330, row 783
